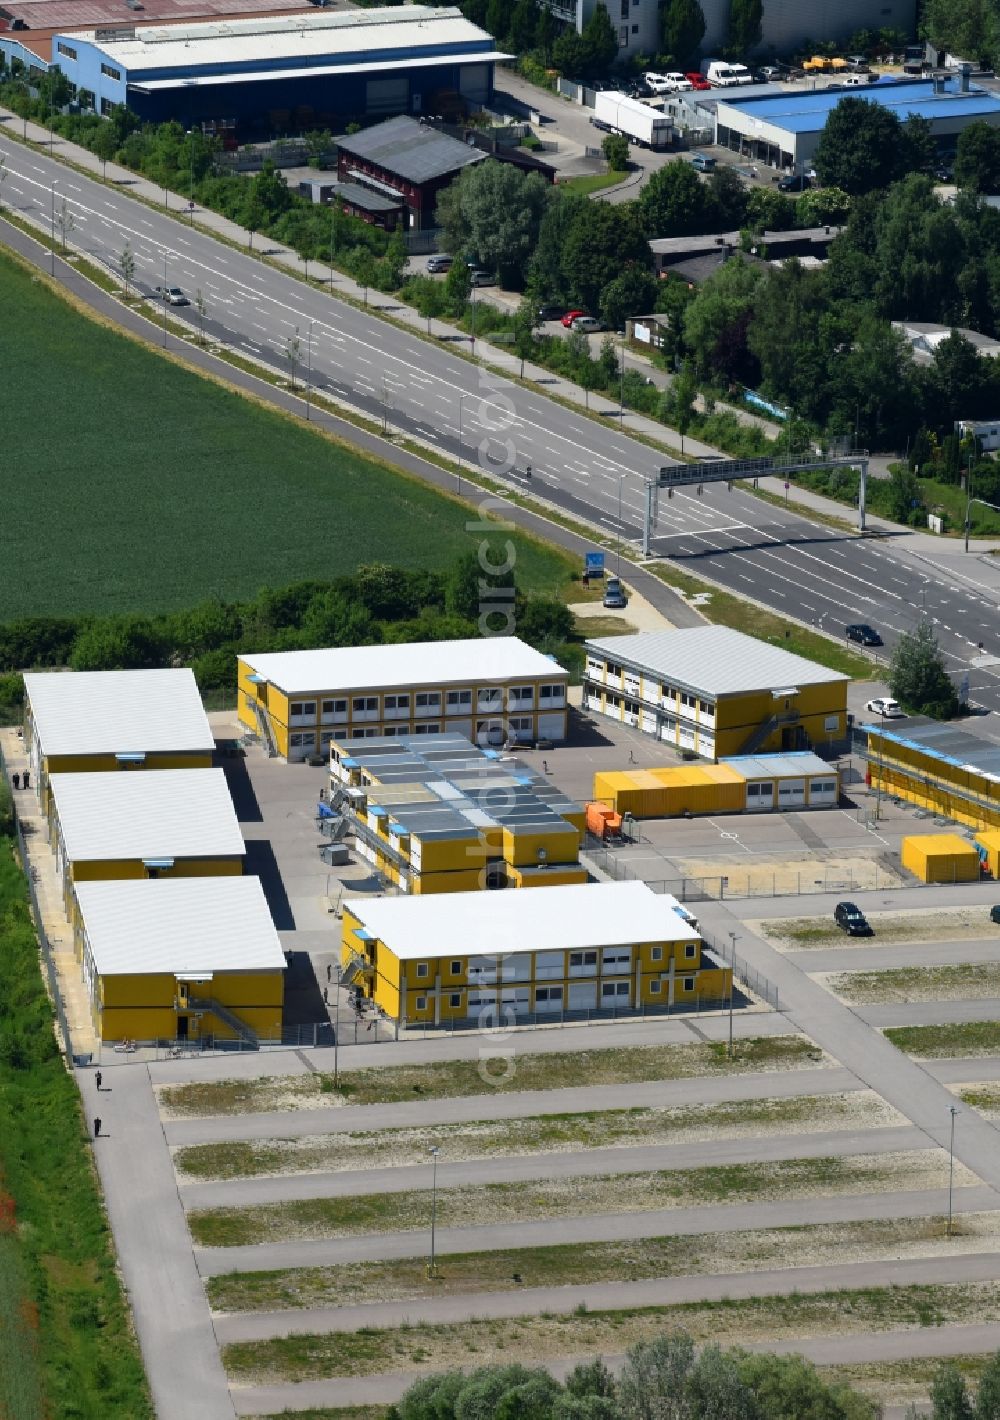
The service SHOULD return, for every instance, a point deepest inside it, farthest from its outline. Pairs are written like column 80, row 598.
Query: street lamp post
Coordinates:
column 461, row 434
column 618, row 550
column 952, row 1110
column 733, row 939
column 165, row 302
column 881, row 751
column 53, row 229
column 190, row 136
column 431, row 1267
column 621, row 388
column 968, row 501
column 309, row 366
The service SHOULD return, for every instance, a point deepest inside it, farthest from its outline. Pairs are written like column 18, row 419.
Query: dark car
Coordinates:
column 795, row 182
column 995, row 915
column 863, row 634
column 550, row 312
column 851, row 920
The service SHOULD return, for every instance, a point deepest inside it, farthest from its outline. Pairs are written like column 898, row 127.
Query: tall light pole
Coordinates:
column 968, row 500
column 461, row 434
column 618, row 551
column 336, row 1031
column 190, row 136
column 165, row 303
column 881, row 761
column 952, row 1110
column 54, row 231
column 309, row 365
column 431, row 1268
column 621, row 388
column 733, row 939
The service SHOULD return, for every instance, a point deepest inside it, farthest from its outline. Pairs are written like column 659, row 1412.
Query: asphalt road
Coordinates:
column 585, row 467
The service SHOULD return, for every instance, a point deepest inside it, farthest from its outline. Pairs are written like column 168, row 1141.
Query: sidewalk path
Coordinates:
column 173, row 1322
column 705, row 1153
column 966, row 1267
column 597, row 1227
column 299, row 1123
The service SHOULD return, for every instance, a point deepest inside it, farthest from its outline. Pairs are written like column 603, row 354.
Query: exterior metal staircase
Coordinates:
column 772, row 723
column 266, row 732
column 223, row 1013
column 357, row 966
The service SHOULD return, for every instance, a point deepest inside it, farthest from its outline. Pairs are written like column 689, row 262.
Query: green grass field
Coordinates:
column 132, row 484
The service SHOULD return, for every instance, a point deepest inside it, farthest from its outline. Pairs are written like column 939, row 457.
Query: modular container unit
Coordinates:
column 989, row 851
column 940, row 858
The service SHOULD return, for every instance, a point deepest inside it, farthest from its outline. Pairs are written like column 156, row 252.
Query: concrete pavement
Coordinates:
column 962, row 1267
column 299, row 1123
column 578, row 1163
column 876, row 958
column 929, row 1013
column 595, row 1227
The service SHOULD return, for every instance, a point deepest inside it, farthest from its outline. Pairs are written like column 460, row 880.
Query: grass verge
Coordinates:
column 972, row 1038
column 579, row 1264
column 726, row 609
column 966, row 981
column 590, row 1194
column 899, row 1382
column 66, row 1342
column 391, row 1084
column 426, row 1347
column 550, row 1133
column 921, row 925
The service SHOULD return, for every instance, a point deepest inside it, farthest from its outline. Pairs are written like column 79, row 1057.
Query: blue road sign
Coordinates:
column 594, row 564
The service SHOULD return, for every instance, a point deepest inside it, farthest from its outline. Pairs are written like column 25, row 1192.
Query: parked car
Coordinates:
column 656, row 83
column 794, row 182
column 770, row 74
column 697, row 81
column 679, row 83
column 614, row 593
column 890, row 709
column 440, row 262
column 571, row 316
column 703, row 162
column 586, row 324
column 858, row 63
column 852, row 920
column 173, row 295
column 995, row 914
column 863, row 634
column 550, row 312
column 478, row 277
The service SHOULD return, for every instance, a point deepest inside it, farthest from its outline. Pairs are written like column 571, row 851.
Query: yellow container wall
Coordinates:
column 118, row 869
column 142, row 1006
column 558, row 876
column 560, row 845
column 940, row 858
column 424, row 884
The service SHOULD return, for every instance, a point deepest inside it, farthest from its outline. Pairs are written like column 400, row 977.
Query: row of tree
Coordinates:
column 378, row 604
column 666, row 1379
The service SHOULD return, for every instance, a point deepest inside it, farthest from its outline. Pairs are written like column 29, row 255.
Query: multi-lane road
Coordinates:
column 589, row 468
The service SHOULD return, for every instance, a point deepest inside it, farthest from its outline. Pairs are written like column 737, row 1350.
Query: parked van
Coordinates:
column 702, row 162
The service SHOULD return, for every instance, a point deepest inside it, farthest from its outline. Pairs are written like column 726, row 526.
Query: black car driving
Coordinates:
column 863, row 634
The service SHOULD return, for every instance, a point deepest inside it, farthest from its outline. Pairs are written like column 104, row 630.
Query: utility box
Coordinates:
column 941, row 858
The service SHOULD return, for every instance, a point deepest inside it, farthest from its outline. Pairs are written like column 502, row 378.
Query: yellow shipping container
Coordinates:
column 608, row 785
column 940, row 858
column 990, row 841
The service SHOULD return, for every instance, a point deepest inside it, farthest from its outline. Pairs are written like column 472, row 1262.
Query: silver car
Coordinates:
column 173, row 295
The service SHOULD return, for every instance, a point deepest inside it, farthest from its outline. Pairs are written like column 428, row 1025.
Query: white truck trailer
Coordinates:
column 617, row 113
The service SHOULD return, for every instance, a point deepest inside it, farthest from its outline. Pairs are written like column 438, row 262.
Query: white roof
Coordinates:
column 467, row 663
column 356, row 34
column 172, row 813
column 179, row 926
column 518, row 920
column 118, row 712
column 714, row 660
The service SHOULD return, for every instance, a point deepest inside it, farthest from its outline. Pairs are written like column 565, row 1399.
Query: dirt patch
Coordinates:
column 957, row 924
column 779, row 877
column 963, row 982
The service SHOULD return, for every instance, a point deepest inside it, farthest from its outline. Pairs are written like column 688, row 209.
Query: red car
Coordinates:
column 571, row 316
column 698, row 81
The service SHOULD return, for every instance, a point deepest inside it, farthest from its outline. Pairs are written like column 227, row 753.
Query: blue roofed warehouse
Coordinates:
column 783, row 130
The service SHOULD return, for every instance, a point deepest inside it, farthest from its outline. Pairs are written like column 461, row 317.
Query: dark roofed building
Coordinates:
column 405, row 161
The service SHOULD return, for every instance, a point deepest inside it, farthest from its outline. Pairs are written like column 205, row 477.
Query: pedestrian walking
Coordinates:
column 97, row 1126
column 98, row 1078
column 545, row 766
column 17, row 781
column 326, row 997
column 631, row 757
column 24, row 779
column 329, row 971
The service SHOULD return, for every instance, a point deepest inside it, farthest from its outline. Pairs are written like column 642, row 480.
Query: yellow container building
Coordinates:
column 989, row 844
column 940, row 858
column 939, row 767
column 443, row 816
column 751, row 783
column 86, row 721
column 495, row 690
column 573, row 951
column 714, row 692
column 182, row 959
column 176, row 823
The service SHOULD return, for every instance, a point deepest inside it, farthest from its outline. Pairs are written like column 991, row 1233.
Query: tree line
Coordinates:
column 377, row 604
column 667, row 1379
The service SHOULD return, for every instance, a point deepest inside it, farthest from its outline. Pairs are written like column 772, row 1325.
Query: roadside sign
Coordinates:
column 594, row 564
